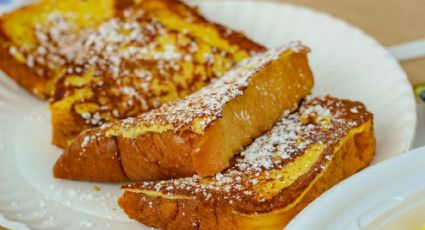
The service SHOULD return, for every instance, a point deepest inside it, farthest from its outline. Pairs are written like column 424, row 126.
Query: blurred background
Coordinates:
column 391, row 22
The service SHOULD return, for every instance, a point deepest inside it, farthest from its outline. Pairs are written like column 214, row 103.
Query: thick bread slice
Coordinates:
column 153, row 52
column 31, row 51
column 199, row 134
column 282, row 171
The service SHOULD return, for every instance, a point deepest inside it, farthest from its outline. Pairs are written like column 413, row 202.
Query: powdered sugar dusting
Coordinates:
column 287, row 140
column 131, row 63
column 136, row 62
column 59, row 43
column 198, row 110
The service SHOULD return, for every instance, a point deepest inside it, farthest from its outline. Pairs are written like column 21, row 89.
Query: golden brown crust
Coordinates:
column 192, row 214
column 53, row 50
column 153, row 155
column 24, row 56
column 184, row 202
column 37, row 85
column 202, row 132
column 104, row 162
column 109, row 95
column 232, row 36
column 21, row 73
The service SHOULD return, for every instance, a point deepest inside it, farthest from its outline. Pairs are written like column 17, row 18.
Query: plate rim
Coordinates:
column 20, row 225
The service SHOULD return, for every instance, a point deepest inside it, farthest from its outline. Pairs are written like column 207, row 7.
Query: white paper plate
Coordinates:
column 389, row 195
column 347, row 63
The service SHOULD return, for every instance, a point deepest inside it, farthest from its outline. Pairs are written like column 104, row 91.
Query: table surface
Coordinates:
column 391, row 22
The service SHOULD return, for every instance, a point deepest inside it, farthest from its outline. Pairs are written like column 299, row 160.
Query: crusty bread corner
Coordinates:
column 19, row 71
column 102, row 162
column 19, row 42
column 200, row 138
column 218, row 202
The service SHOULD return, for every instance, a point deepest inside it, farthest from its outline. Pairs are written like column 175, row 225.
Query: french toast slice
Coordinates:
column 198, row 134
column 38, row 41
column 149, row 54
column 269, row 182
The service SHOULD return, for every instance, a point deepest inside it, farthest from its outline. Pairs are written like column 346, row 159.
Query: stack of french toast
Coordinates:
column 213, row 130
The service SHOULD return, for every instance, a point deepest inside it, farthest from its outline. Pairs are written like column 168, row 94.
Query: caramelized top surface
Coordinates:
column 116, row 59
column 47, row 36
column 152, row 53
column 198, row 110
column 302, row 142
